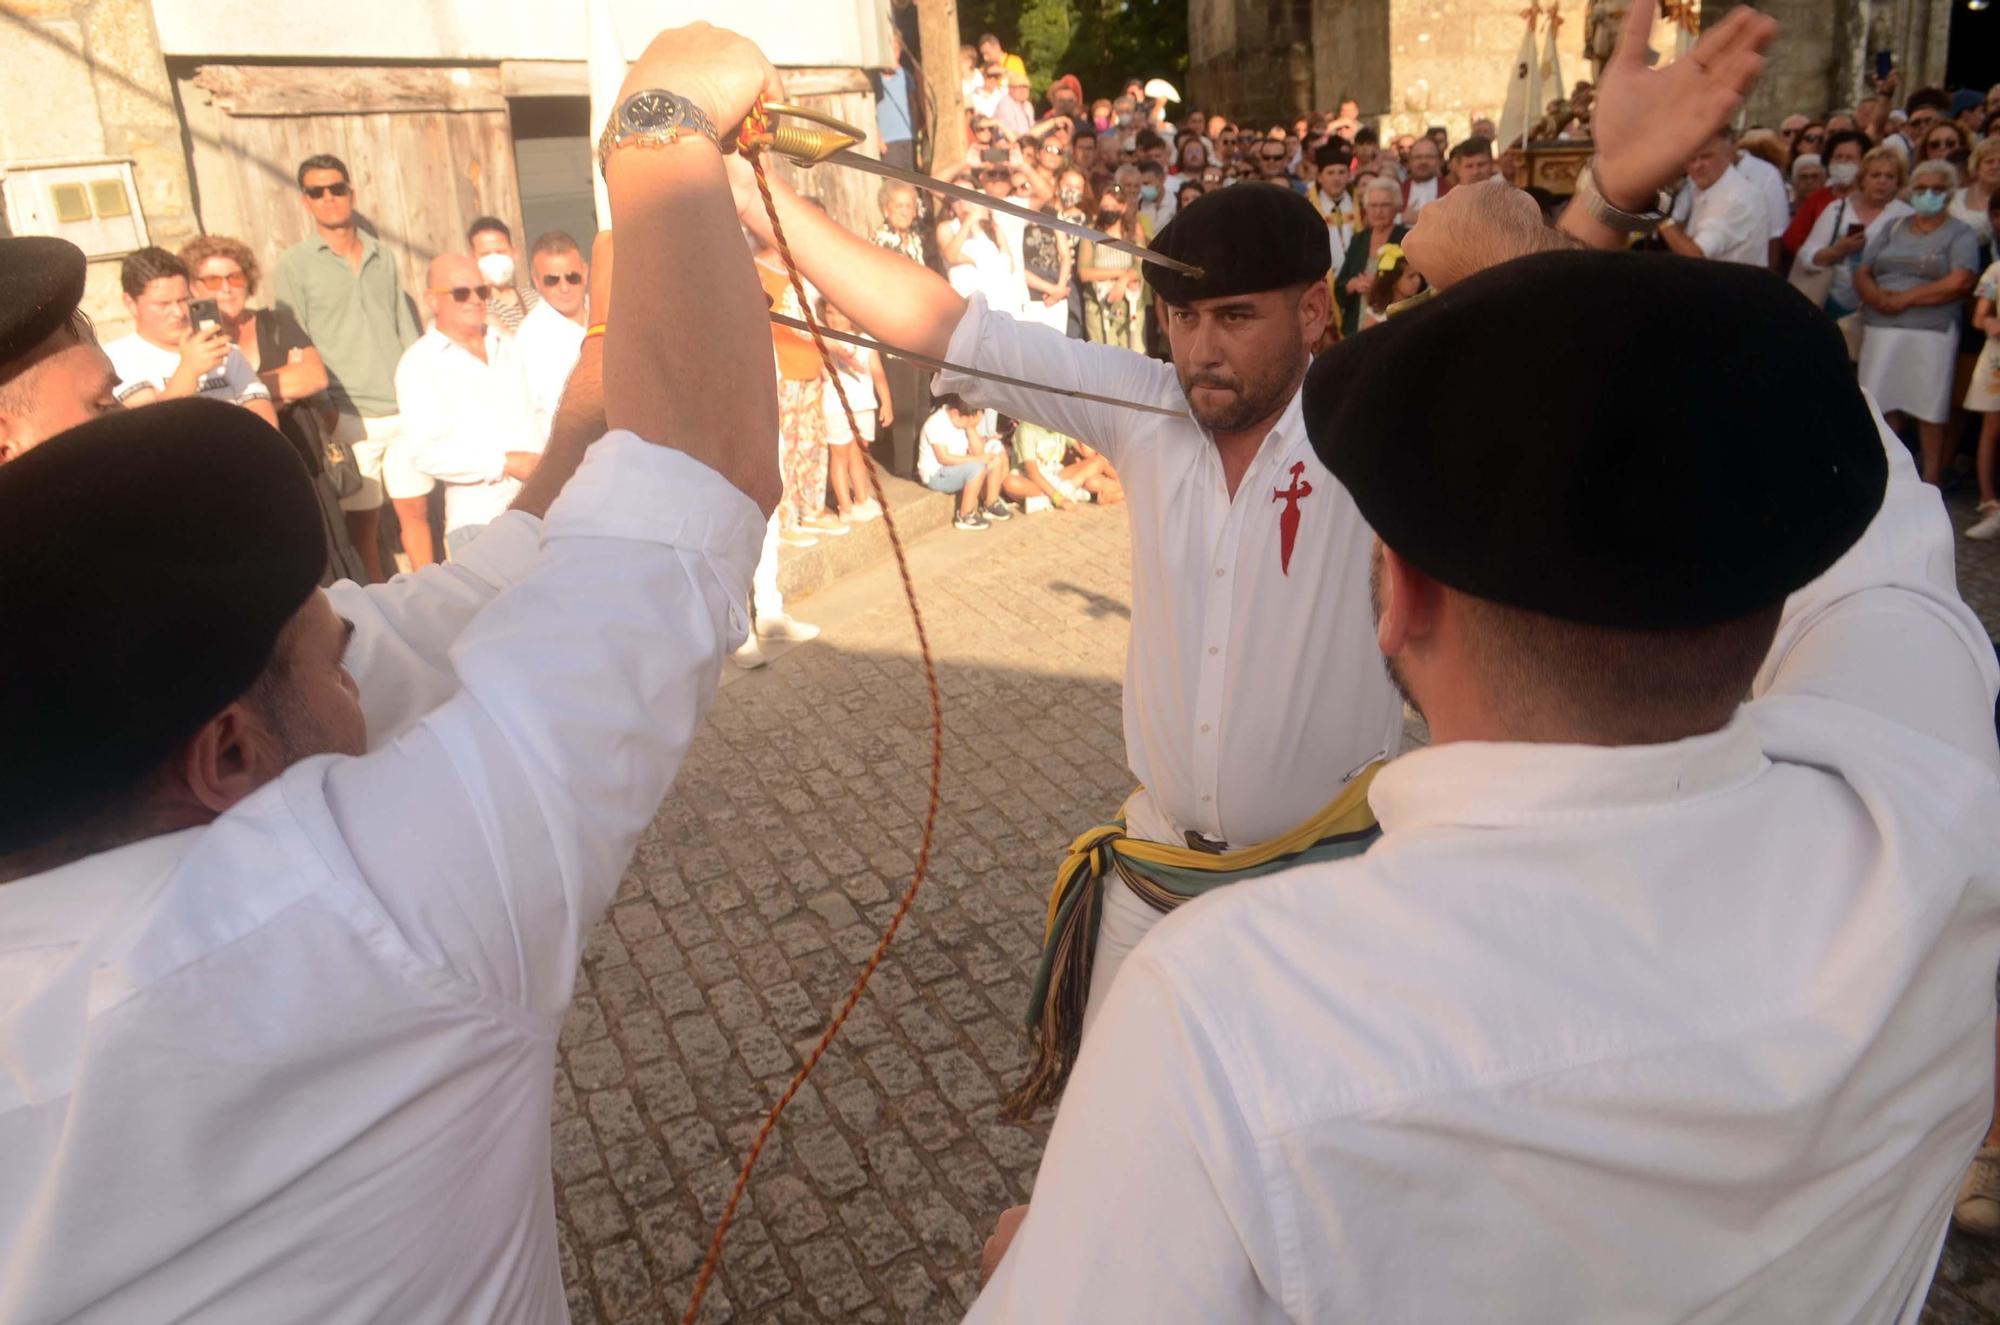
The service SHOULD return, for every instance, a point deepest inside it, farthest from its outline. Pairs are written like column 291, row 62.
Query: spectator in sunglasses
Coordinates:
column 551, row 335
column 467, row 412
column 282, row 356
column 492, row 245
column 341, row 287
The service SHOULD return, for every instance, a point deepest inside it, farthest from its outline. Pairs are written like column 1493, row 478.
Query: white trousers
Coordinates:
column 765, row 600
column 1123, row 921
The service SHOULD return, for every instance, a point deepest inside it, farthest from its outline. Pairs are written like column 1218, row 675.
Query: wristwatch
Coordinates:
column 1617, row 218
column 653, row 117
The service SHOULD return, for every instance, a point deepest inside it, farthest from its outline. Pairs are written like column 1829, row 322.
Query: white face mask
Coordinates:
column 1843, row 173
column 497, row 268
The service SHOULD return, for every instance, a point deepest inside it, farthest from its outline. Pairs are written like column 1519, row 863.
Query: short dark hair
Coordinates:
column 553, row 242
column 1834, row 140
column 1929, row 98
column 142, row 268
column 1473, row 146
column 324, row 162
column 1366, row 134
column 1146, row 140
column 486, row 223
column 1620, row 687
column 1150, row 167
column 956, row 403
column 985, row 37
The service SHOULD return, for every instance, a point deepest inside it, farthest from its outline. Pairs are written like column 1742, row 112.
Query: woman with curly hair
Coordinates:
column 283, row 357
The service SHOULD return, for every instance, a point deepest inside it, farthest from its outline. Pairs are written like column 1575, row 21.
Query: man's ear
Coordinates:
column 1314, row 310
column 222, row 763
column 1410, row 601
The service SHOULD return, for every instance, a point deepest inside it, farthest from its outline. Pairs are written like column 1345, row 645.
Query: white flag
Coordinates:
column 1552, row 68
column 607, row 74
column 1519, row 114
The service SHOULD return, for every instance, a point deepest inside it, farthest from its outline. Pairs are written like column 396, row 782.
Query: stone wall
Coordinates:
column 85, row 79
column 1251, row 59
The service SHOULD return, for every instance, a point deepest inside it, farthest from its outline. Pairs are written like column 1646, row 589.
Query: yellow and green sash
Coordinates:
column 1164, row 877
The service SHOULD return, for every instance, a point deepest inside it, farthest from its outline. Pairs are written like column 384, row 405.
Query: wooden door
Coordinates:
column 430, row 150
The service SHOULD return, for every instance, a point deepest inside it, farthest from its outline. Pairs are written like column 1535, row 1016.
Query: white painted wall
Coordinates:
column 851, row 33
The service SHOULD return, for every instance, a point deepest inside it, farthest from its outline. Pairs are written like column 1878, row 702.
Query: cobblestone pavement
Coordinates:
column 762, row 887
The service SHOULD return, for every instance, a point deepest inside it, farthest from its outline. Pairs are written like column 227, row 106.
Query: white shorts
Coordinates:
column 836, row 423
column 383, row 460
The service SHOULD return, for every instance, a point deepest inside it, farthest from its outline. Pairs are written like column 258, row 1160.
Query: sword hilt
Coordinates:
column 803, row 144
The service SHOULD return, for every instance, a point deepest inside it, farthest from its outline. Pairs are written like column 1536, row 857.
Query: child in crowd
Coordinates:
column 1983, row 396
column 1395, row 281
column 860, row 373
column 953, row 456
column 1047, row 477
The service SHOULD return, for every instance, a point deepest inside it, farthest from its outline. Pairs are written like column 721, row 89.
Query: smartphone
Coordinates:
column 994, row 154
column 1885, row 64
column 203, row 314
column 1854, row 228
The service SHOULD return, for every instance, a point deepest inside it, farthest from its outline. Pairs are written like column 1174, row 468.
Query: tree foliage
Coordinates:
column 1102, row 42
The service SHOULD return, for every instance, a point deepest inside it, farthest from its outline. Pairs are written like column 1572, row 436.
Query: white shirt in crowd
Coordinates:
column 1692, row 1031
column 1252, row 683
column 1769, row 182
column 140, row 364
column 1422, row 193
column 940, row 431
column 295, row 1065
column 1728, row 219
column 549, row 344
column 1161, row 210
column 462, row 416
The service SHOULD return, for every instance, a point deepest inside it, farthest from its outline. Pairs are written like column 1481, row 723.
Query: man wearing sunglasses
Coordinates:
column 342, row 287
column 551, row 335
column 468, row 417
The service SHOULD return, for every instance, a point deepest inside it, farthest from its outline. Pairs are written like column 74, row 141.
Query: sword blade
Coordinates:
column 945, row 366
column 974, row 196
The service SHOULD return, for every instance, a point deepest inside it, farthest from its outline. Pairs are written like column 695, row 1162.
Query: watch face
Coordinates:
column 651, row 112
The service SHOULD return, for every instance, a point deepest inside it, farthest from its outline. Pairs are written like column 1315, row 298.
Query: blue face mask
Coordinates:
column 1148, row 192
column 1928, row 202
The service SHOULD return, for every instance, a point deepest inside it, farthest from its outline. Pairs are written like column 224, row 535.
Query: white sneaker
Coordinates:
column 1036, row 505
column 1987, row 526
column 786, row 628
column 873, row 508
column 749, row 655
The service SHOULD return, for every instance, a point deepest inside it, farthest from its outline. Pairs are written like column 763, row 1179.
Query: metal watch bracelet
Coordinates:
column 1617, row 218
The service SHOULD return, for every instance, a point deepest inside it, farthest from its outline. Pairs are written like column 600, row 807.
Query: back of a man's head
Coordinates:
column 1601, row 563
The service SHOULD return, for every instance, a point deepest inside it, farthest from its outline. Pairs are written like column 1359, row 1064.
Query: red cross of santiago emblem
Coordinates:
column 1288, row 520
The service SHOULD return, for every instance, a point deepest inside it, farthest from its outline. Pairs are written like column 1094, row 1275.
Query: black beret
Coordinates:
column 41, row 283
column 150, row 559
column 1247, row 238
column 1666, row 443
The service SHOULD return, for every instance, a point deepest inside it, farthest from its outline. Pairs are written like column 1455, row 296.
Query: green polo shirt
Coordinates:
column 359, row 322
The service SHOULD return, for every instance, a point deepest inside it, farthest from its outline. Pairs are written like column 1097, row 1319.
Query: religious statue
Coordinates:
column 1600, row 32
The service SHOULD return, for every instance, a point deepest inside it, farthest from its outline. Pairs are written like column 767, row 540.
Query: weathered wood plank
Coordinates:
column 544, row 78
column 281, row 90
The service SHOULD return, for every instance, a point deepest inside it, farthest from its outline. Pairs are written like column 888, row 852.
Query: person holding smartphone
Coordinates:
column 178, row 346
column 1843, row 230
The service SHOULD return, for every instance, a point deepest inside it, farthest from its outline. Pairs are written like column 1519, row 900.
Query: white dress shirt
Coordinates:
column 1251, row 689
column 548, row 344
column 1729, row 221
column 1769, row 182
column 462, row 416
column 1693, row 1031
column 295, row 1065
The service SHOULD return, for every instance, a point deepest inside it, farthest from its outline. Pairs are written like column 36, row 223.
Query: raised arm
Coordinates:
column 1648, row 122
column 584, row 684
column 887, row 295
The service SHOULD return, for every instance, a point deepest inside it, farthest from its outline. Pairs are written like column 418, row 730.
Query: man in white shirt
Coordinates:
column 551, row 335
column 1769, row 182
column 1648, row 1004
column 280, row 1016
column 1253, row 687
column 1727, row 220
column 469, row 417
column 165, row 357
column 1424, row 183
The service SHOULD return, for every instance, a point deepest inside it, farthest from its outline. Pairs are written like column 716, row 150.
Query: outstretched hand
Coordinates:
column 1648, row 122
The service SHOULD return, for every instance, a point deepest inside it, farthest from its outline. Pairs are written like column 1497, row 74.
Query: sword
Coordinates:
column 945, row 366
column 809, row 147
